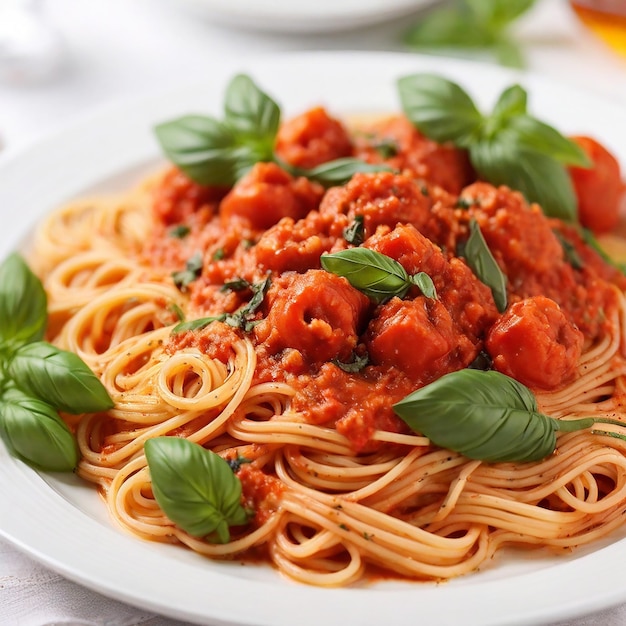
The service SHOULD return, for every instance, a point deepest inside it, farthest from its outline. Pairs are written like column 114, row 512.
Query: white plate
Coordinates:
column 304, row 16
column 61, row 521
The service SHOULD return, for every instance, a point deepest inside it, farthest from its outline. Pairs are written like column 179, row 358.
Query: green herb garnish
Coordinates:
column 355, row 365
column 355, row 233
column 507, row 147
column 481, row 261
column 180, row 231
column 472, row 25
column 219, row 152
column 378, row 276
column 193, row 269
column 337, row 172
column 487, row 416
column 195, row 488
column 38, row 379
column 569, row 251
column 243, row 318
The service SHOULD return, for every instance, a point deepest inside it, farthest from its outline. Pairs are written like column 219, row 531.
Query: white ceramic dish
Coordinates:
column 61, row 521
column 316, row 16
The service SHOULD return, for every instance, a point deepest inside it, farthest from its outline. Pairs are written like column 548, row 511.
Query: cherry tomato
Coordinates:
column 600, row 189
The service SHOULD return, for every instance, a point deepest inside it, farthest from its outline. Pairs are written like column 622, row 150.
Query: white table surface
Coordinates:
column 118, row 49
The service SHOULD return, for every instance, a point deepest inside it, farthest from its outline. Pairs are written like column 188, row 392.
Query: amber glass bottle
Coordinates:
column 606, row 18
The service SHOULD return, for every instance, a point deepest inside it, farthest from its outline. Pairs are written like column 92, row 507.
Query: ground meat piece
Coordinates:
column 312, row 138
column 266, row 194
column 317, row 313
column 535, row 343
column 382, row 198
column 395, row 141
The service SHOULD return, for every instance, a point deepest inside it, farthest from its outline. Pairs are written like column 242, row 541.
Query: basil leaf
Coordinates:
column 193, row 269
column 23, row 303
column 513, row 101
column 206, row 150
column 33, row 430
column 195, row 487
column 251, row 114
column 569, row 251
column 499, row 13
column 198, row 324
column 425, row 284
column 355, row 233
column 58, row 377
column 376, row 275
column 237, row 284
column 509, row 53
column 339, row 171
column 242, row 318
column 439, row 108
column 356, row 365
column 482, row 263
column 386, row 147
column 449, row 28
column 533, row 135
column 591, row 240
column 180, row 231
column 482, row 415
column 539, row 177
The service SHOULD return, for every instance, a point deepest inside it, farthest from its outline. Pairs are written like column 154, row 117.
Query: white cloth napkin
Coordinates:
column 32, row 595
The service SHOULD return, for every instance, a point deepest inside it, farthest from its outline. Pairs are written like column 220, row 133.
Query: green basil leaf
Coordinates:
column 356, row 365
column 449, row 28
column 482, row 263
column 355, row 232
column 237, row 284
column 509, row 53
column 440, row 109
column 533, row 135
column 540, row 178
column 425, row 284
column 339, row 171
column 498, row 13
column 198, row 324
column 513, row 101
column 251, row 114
column 591, row 240
column 195, row 487
column 206, row 150
column 482, row 415
column 33, row 431
column 569, row 251
column 180, row 231
column 243, row 317
column 376, row 275
column 193, row 269
column 59, row 378
column 23, row 303
column 486, row 416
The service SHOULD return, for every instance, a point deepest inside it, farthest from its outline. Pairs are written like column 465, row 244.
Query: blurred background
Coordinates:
column 61, row 58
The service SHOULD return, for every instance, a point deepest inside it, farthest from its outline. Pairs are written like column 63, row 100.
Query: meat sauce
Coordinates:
column 313, row 326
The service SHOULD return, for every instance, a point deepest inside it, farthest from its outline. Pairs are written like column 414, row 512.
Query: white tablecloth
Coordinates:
column 117, row 49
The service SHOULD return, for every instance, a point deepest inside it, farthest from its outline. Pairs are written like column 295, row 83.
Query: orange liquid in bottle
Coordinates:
column 606, row 18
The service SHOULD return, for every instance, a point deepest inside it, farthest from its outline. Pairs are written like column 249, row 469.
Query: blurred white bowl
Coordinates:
column 303, row 16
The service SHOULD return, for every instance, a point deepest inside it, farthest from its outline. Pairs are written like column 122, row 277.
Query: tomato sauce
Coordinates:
column 348, row 358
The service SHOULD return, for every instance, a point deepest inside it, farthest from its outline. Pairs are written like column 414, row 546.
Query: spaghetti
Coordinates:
column 336, row 481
